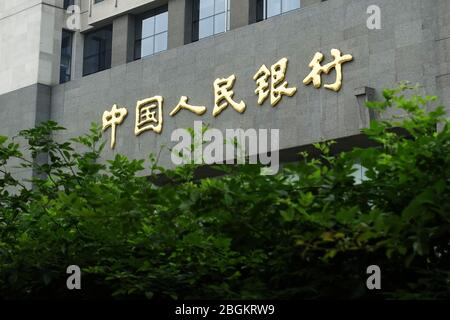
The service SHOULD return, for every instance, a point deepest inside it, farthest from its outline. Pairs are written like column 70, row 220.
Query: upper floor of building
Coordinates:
column 55, row 41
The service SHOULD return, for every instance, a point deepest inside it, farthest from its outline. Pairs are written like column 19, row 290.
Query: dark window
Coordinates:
column 97, row 50
column 97, row 1
column 210, row 17
column 68, row 3
column 151, row 33
column 270, row 8
column 66, row 57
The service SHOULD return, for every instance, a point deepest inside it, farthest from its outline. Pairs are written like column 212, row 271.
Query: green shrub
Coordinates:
column 308, row 232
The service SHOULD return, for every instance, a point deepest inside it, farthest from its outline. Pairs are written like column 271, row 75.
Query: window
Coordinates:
column 97, row 50
column 151, row 33
column 97, row 1
column 270, row 8
column 66, row 57
column 68, row 3
column 210, row 17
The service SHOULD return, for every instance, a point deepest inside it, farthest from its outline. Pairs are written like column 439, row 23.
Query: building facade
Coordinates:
column 70, row 61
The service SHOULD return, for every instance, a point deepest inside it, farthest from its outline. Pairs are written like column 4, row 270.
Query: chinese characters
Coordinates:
column 318, row 69
column 223, row 93
column 149, row 115
column 270, row 82
column 112, row 119
column 277, row 86
column 183, row 104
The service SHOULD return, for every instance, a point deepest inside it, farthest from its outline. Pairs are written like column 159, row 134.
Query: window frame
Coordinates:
column 138, row 31
column 261, row 10
column 69, row 56
column 101, row 54
column 195, row 36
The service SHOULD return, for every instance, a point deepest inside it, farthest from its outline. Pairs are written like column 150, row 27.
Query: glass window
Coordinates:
column 273, row 8
column 66, row 57
column 97, row 50
column 151, row 33
column 210, row 17
column 288, row 5
column 270, row 8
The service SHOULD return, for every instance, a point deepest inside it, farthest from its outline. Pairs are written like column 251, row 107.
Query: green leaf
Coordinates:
column 347, row 215
column 415, row 207
column 288, row 215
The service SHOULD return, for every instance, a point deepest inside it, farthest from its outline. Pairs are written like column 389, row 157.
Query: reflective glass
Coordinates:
column 220, row 23
column 161, row 42
column 206, row 27
column 148, row 27
column 273, row 8
column 221, row 6
column 161, row 22
column 147, row 47
column 289, row 5
column 206, row 8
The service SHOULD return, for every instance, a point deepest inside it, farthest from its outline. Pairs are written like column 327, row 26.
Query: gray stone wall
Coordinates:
column 441, row 68
column 23, row 109
column 412, row 45
column 404, row 49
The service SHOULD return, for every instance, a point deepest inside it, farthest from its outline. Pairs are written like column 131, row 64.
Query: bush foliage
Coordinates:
column 309, row 232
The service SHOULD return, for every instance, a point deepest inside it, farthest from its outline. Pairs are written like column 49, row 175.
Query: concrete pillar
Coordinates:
column 122, row 40
column 43, row 107
column 43, row 103
column 239, row 13
column 177, row 25
column 77, row 55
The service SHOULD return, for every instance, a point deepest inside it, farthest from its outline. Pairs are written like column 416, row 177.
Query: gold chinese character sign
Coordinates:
column 277, row 86
column 318, row 69
column 149, row 115
column 270, row 82
column 223, row 96
column 112, row 119
column 183, row 104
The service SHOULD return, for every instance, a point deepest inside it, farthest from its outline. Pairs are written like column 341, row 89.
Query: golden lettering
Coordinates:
column 277, row 87
column 149, row 115
column 318, row 69
column 112, row 119
column 224, row 96
column 183, row 104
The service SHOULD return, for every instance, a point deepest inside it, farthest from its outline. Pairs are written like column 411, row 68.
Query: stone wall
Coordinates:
column 412, row 45
column 404, row 49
